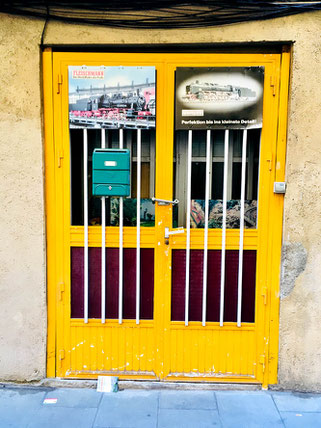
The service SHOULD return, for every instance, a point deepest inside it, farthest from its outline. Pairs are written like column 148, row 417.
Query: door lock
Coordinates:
column 165, row 201
column 168, row 233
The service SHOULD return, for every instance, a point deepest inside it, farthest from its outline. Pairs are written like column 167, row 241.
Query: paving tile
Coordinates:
column 297, row 402
column 63, row 417
column 247, row 410
column 17, row 406
column 301, row 420
column 72, row 397
column 174, row 418
column 201, row 400
column 135, row 409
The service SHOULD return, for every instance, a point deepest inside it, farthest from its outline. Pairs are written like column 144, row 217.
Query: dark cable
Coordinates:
column 147, row 14
column 44, row 27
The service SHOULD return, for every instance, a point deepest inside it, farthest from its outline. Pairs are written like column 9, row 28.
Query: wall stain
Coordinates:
column 294, row 260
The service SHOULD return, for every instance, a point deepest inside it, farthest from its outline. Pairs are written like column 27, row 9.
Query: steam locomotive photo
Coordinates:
column 132, row 100
column 197, row 91
column 219, row 97
column 119, row 109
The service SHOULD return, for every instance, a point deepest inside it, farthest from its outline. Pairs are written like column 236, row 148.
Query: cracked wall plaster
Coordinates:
column 294, row 259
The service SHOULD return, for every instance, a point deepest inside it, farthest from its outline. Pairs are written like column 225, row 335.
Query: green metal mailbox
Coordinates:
column 111, row 172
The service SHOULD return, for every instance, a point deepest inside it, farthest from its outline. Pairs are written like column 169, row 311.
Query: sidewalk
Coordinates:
column 23, row 407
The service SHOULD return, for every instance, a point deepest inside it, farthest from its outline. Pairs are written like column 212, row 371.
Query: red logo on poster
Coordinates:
column 88, row 74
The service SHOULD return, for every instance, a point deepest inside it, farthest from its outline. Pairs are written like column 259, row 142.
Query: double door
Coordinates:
column 178, row 281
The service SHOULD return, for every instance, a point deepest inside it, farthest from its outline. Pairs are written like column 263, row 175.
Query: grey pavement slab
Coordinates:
column 128, row 409
column 201, row 400
column 85, row 398
column 62, row 417
column 301, row 420
column 18, row 405
column 247, row 410
column 297, row 402
column 22, row 407
column 181, row 418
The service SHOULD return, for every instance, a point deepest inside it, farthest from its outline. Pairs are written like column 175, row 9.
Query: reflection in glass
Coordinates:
column 216, row 213
column 147, row 212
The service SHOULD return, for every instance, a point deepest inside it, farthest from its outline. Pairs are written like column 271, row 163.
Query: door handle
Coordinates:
column 165, row 201
column 168, row 233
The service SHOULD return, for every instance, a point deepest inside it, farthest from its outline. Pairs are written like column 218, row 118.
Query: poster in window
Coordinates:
column 112, row 97
column 219, row 97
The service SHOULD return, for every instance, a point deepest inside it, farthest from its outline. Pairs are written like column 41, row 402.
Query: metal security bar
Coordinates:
column 103, row 243
column 121, row 224
column 139, row 144
column 85, row 154
column 103, row 144
column 207, row 197
column 240, row 268
column 226, row 147
column 188, row 221
column 232, row 204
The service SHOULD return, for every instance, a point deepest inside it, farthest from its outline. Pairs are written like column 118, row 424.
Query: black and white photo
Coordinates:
column 219, row 97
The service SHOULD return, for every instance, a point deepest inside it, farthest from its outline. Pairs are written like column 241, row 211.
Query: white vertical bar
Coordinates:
column 188, row 221
column 230, row 167
column 103, row 260
column 240, row 271
column 152, row 156
column 226, row 144
column 121, row 223
column 249, row 172
column 139, row 143
column 103, row 243
column 207, row 197
column 85, row 153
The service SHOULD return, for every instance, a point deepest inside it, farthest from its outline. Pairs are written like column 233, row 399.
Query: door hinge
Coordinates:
column 269, row 160
column 264, row 294
column 59, row 157
column 262, row 361
column 61, row 289
column 273, row 85
column 60, row 80
column 61, row 357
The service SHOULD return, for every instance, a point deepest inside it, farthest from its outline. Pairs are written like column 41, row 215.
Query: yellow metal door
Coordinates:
column 158, row 340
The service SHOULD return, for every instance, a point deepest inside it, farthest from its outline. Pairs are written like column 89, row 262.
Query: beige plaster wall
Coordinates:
column 22, row 266
column 22, row 230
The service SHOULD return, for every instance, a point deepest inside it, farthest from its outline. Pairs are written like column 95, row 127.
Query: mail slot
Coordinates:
column 111, row 172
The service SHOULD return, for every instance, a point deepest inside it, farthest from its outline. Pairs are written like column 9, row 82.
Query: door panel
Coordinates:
column 161, row 342
column 112, row 286
column 213, row 286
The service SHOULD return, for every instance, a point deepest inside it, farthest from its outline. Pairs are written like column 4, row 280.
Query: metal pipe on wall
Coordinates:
column 121, row 224
column 207, row 197
column 85, row 176
column 103, row 243
column 188, row 222
column 139, row 141
column 240, row 270
column 226, row 144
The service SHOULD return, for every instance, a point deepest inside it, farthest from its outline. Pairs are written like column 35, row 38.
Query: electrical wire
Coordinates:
column 159, row 14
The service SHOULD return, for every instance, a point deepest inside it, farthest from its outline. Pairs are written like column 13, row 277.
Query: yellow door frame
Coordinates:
column 267, row 292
